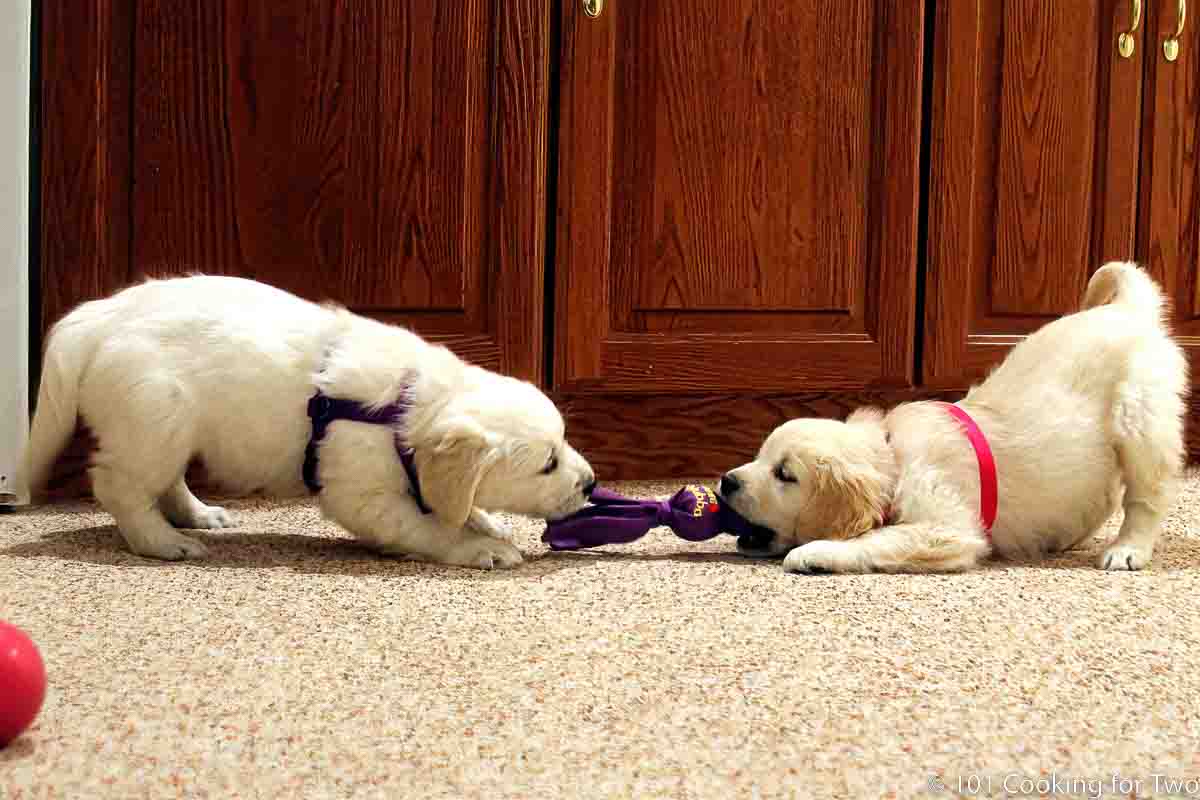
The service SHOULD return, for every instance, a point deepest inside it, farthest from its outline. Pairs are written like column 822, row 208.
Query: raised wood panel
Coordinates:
column 1045, row 159
column 1169, row 243
column 389, row 156
column 1033, row 173
column 737, row 196
column 737, row 107
column 332, row 147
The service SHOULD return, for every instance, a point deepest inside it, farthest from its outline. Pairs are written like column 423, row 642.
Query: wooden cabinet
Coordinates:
column 688, row 221
column 1053, row 152
column 1033, row 170
column 738, row 196
column 390, row 156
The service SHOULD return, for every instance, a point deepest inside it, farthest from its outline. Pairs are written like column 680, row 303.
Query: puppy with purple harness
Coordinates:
column 405, row 445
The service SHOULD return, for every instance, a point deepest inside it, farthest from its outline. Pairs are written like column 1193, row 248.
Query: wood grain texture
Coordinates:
column 1169, row 243
column 1033, row 178
column 185, row 212
column 753, row 129
column 417, row 122
column 288, row 91
column 86, row 63
column 674, row 364
column 894, row 188
column 520, row 116
column 585, row 193
column 768, row 190
column 1048, row 118
column 387, row 156
column 1120, row 133
column 255, row 120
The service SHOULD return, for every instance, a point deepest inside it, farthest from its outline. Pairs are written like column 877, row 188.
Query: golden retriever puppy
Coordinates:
column 1083, row 415
column 405, row 444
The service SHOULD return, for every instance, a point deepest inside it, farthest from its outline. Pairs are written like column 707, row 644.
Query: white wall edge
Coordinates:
column 15, row 65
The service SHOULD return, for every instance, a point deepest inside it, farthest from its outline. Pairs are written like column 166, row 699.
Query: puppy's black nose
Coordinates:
column 589, row 487
column 729, row 484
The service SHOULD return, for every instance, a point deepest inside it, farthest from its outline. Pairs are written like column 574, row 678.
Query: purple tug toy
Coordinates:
column 694, row 513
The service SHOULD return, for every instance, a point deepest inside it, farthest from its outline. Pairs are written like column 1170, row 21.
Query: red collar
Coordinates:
column 989, row 491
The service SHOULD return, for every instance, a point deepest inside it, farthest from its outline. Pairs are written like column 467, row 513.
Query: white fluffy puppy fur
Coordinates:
column 221, row 369
column 1083, row 415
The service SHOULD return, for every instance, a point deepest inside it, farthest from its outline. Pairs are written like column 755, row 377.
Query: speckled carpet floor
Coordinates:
column 293, row 664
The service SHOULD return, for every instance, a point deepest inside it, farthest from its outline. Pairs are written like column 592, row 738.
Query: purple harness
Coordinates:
column 323, row 410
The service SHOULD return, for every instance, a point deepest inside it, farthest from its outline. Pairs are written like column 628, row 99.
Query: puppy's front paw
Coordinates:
column 485, row 553
column 1124, row 558
column 821, row 557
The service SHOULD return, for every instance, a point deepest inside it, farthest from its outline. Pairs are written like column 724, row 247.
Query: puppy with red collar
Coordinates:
column 1084, row 415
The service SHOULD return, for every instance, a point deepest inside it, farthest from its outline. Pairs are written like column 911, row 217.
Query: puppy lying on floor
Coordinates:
column 405, row 443
column 1084, row 414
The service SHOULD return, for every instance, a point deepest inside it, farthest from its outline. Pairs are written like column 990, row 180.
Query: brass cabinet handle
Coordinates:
column 593, row 7
column 1126, row 42
column 1171, row 46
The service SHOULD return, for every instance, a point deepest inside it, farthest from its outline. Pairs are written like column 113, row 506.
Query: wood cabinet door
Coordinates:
column 1170, row 211
column 737, row 195
column 1033, row 173
column 389, row 156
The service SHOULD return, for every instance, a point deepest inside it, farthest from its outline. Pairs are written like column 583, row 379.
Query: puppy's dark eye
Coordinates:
column 551, row 465
column 781, row 474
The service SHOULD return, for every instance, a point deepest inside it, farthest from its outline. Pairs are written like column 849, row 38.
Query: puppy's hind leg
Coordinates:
column 1148, row 426
column 142, row 525
column 907, row 547
column 144, row 449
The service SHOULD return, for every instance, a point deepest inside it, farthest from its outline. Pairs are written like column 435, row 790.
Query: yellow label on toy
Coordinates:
column 706, row 500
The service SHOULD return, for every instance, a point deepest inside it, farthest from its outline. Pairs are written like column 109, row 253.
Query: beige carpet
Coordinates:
column 293, row 664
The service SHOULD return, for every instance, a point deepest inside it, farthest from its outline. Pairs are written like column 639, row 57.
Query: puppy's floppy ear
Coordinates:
column 450, row 467
column 851, row 496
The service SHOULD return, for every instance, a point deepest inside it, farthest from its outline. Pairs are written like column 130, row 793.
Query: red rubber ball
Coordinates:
column 22, row 682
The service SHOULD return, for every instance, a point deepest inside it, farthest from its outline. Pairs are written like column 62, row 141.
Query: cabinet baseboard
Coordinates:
column 638, row 437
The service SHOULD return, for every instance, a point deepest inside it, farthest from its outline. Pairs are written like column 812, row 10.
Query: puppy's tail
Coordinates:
column 69, row 349
column 1125, row 284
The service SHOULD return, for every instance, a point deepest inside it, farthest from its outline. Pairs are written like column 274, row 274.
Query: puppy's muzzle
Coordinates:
column 729, row 484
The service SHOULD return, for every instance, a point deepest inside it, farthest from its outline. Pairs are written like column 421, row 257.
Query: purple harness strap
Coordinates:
column 323, row 410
